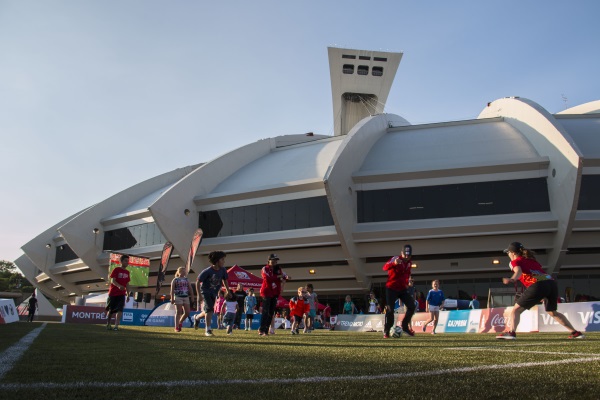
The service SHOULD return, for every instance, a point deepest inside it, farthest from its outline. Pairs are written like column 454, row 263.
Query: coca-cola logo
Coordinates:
column 498, row 320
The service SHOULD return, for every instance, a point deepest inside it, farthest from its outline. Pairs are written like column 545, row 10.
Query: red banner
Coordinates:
column 196, row 240
column 164, row 263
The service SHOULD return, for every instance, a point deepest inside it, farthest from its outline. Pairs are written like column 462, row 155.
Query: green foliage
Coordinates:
column 11, row 279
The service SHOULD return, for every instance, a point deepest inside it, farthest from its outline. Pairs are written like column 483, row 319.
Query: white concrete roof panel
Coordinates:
column 448, row 146
column 586, row 134
column 283, row 165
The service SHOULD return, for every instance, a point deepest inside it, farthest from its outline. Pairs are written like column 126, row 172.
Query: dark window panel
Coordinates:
column 589, row 194
column 64, row 253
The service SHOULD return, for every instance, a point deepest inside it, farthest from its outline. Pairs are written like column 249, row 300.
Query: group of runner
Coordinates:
column 539, row 285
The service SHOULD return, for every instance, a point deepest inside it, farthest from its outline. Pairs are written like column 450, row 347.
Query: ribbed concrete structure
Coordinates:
column 340, row 205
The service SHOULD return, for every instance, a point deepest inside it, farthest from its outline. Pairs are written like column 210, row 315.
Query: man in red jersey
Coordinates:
column 269, row 291
column 539, row 285
column 398, row 269
column 118, row 292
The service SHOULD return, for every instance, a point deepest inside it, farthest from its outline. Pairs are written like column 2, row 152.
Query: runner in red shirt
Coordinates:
column 269, row 291
column 398, row 269
column 118, row 290
column 539, row 286
column 299, row 307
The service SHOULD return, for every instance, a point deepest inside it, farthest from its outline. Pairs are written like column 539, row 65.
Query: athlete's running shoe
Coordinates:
column 576, row 335
column 507, row 335
column 196, row 323
column 408, row 331
column 386, row 336
column 208, row 333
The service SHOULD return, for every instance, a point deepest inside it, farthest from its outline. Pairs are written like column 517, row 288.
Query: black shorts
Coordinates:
column 537, row 292
column 249, row 316
column 297, row 318
column 115, row 303
column 209, row 301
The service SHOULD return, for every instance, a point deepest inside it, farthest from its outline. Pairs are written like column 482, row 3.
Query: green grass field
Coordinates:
column 88, row 362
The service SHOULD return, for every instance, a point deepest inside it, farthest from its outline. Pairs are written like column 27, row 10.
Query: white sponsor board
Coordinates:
column 8, row 311
column 584, row 317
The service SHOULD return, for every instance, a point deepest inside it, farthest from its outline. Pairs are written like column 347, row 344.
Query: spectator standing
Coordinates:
column 32, row 306
column 219, row 302
column 269, row 291
column 421, row 301
column 208, row 284
column 435, row 301
column 327, row 316
column 539, row 285
column 118, row 292
column 396, row 287
column 313, row 302
column 181, row 288
column 474, row 303
column 249, row 307
column 349, row 307
column 240, row 295
column 373, row 304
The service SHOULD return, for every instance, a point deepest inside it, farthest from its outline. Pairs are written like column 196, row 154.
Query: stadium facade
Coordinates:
column 335, row 208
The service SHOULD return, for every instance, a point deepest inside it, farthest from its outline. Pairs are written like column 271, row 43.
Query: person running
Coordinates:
column 538, row 286
column 269, row 291
column 31, row 307
column 229, row 310
column 209, row 283
column 396, row 287
column 240, row 295
column 249, row 307
column 434, row 301
column 327, row 316
column 349, row 307
column 181, row 288
column 219, row 302
column 313, row 302
column 373, row 304
column 118, row 292
column 299, row 307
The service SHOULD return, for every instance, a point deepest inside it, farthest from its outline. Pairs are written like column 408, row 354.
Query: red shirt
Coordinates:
column 121, row 276
column 271, row 285
column 398, row 275
column 327, row 312
column 532, row 271
column 298, row 306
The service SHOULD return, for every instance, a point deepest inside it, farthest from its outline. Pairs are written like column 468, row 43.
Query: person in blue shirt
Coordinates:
column 474, row 303
column 434, row 301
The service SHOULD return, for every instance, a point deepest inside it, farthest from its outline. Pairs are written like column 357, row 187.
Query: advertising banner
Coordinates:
column 493, row 320
column 454, row 322
column 583, row 317
column 8, row 311
column 139, row 268
column 359, row 322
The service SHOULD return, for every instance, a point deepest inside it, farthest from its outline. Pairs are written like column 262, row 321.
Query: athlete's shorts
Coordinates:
column 537, row 292
column 209, row 301
column 434, row 308
column 312, row 313
column 115, row 303
column 249, row 316
column 297, row 318
column 181, row 301
column 228, row 318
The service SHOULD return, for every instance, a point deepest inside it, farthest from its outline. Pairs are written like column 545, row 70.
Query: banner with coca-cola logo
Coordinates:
column 493, row 320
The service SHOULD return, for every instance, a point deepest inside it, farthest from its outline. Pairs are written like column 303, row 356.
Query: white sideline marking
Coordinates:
column 520, row 351
column 10, row 356
column 196, row 383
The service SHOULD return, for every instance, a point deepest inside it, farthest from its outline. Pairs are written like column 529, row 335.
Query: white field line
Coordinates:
column 505, row 350
column 320, row 379
column 10, row 356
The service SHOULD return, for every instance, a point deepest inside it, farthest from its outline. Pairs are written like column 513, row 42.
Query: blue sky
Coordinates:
column 84, row 84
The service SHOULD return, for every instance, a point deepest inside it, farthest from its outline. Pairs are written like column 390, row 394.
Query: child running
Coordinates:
column 298, row 308
column 181, row 289
column 229, row 309
column 434, row 301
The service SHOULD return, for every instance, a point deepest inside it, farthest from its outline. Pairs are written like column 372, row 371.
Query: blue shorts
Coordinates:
column 228, row 319
column 312, row 313
column 209, row 301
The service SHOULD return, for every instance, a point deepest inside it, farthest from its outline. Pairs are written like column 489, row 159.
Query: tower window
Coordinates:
column 348, row 69
column 350, row 56
column 363, row 70
column 377, row 71
column 364, row 57
column 380, row 59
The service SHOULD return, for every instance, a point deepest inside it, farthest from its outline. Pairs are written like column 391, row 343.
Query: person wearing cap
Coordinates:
column 539, row 286
column 269, row 291
column 396, row 287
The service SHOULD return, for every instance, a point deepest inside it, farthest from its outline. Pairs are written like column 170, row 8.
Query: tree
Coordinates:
column 11, row 279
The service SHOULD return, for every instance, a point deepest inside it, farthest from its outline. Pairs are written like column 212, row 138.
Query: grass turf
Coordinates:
column 85, row 358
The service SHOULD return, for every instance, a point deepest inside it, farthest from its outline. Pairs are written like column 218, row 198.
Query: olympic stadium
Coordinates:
column 335, row 208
